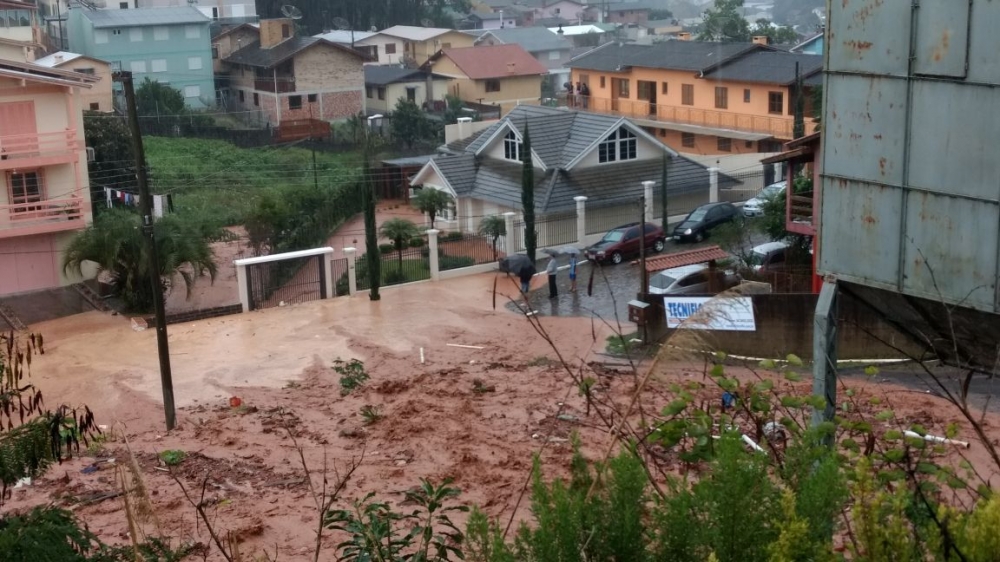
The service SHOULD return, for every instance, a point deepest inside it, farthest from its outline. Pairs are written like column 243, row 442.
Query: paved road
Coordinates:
column 613, row 287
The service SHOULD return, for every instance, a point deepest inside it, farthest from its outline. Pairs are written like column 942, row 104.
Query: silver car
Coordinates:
column 755, row 207
column 688, row 280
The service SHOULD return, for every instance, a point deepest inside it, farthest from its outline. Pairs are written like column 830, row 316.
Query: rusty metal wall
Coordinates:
column 911, row 148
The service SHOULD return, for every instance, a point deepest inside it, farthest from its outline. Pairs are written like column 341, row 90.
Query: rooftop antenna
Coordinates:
column 291, row 12
column 342, row 24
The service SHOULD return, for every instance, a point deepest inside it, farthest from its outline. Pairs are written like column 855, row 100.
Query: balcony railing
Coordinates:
column 780, row 127
column 39, row 217
column 278, row 86
column 60, row 143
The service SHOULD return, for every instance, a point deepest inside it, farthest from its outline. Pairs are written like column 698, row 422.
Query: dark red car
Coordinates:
column 622, row 242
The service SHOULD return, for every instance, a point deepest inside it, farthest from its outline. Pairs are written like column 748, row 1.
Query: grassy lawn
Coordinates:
column 220, row 181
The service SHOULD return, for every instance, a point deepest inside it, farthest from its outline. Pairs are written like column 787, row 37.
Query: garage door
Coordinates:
column 27, row 263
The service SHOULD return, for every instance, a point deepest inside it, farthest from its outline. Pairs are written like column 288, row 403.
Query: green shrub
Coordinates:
column 352, row 374
column 416, row 242
column 453, row 236
column 454, row 262
column 386, row 248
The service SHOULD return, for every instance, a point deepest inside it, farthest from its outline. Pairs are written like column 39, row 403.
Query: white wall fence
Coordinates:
column 510, row 243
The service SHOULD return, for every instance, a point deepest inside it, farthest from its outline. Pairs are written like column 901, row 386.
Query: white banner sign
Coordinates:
column 704, row 313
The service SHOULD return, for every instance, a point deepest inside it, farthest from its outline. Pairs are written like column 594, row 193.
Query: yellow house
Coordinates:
column 386, row 84
column 701, row 97
column 421, row 43
column 98, row 97
column 503, row 75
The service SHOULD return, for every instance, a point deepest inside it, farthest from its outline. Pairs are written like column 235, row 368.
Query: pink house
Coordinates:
column 45, row 197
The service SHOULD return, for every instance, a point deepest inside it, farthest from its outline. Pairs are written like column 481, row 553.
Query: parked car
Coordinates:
column 755, row 207
column 623, row 241
column 702, row 220
column 768, row 257
column 690, row 280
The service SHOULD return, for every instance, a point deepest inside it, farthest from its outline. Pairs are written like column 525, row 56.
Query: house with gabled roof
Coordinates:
column 550, row 49
column 501, row 75
column 421, row 43
column 700, row 97
column 287, row 77
column 575, row 154
column 99, row 97
column 386, row 84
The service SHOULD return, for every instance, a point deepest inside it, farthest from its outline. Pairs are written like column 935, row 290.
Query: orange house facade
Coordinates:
column 701, row 98
column 45, row 197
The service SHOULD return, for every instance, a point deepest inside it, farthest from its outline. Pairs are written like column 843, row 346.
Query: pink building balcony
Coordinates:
column 39, row 149
column 42, row 217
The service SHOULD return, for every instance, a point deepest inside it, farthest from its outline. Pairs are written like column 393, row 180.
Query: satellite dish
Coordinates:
column 373, row 29
column 292, row 12
column 340, row 23
column 426, row 22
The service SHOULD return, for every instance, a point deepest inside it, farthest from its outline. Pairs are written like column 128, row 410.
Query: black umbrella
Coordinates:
column 515, row 264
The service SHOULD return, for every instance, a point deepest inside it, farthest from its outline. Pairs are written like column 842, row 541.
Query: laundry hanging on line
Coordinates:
column 161, row 203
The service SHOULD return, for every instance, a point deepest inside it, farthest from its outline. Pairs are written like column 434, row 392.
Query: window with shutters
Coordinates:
column 687, row 94
column 721, row 97
column 24, row 187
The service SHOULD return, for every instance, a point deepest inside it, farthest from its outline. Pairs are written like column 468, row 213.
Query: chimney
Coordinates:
column 59, row 58
column 760, row 40
column 275, row 31
column 684, row 36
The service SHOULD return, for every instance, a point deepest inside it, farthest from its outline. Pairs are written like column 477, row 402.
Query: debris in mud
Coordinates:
column 351, row 433
column 480, row 387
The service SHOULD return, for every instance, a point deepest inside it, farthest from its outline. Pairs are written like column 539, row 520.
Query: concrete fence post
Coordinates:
column 713, row 185
column 581, row 218
column 241, row 286
column 330, row 284
column 432, row 246
column 647, row 193
column 352, row 271
column 509, row 240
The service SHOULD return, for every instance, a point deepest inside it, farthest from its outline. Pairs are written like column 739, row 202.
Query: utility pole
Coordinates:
column 146, row 210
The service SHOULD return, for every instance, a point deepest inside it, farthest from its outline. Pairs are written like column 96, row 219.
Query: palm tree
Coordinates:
column 399, row 231
column 115, row 243
column 493, row 227
column 432, row 201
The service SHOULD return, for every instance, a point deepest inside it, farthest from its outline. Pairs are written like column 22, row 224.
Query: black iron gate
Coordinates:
column 287, row 281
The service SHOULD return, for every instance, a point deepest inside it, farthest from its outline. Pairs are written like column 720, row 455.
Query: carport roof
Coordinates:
column 689, row 257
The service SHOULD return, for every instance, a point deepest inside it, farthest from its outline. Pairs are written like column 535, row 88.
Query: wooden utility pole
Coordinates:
column 146, row 211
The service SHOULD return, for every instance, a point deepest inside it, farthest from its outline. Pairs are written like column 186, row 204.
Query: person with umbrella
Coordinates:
column 520, row 265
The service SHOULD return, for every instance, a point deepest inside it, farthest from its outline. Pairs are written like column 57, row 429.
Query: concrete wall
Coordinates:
column 785, row 325
column 329, row 69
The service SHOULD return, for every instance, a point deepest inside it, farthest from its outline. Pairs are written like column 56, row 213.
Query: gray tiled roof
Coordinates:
column 382, row 74
column 696, row 56
column 254, row 55
column 145, row 16
column 532, row 39
column 769, row 67
column 557, row 137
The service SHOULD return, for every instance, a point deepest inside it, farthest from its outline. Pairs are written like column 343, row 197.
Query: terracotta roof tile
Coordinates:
column 689, row 257
column 497, row 61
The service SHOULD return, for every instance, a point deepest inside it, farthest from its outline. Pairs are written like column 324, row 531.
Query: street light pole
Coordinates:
column 146, row 211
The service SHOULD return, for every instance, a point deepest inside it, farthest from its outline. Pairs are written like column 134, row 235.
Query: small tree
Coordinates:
column 399, row 231
column 154, row 98
column 432, row 201
column 409, row 124
column 113, row 164
column 115, row 243
column 493, row 227
column 724, row 22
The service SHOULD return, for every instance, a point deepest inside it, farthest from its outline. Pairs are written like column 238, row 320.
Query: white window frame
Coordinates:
column 619, row 146
column 135, row 34
column 137, row 66
column 161, row 33
column 512, row 146
column 193, row 91
column 195, row 63
column 158, row 65
column 192, row 32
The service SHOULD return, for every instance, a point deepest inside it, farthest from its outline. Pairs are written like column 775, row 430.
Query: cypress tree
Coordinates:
column 528, row 196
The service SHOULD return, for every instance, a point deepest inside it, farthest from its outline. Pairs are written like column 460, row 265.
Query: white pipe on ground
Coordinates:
column 936, row 439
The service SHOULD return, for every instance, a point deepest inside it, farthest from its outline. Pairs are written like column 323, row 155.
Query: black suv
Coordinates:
column 702, row 220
